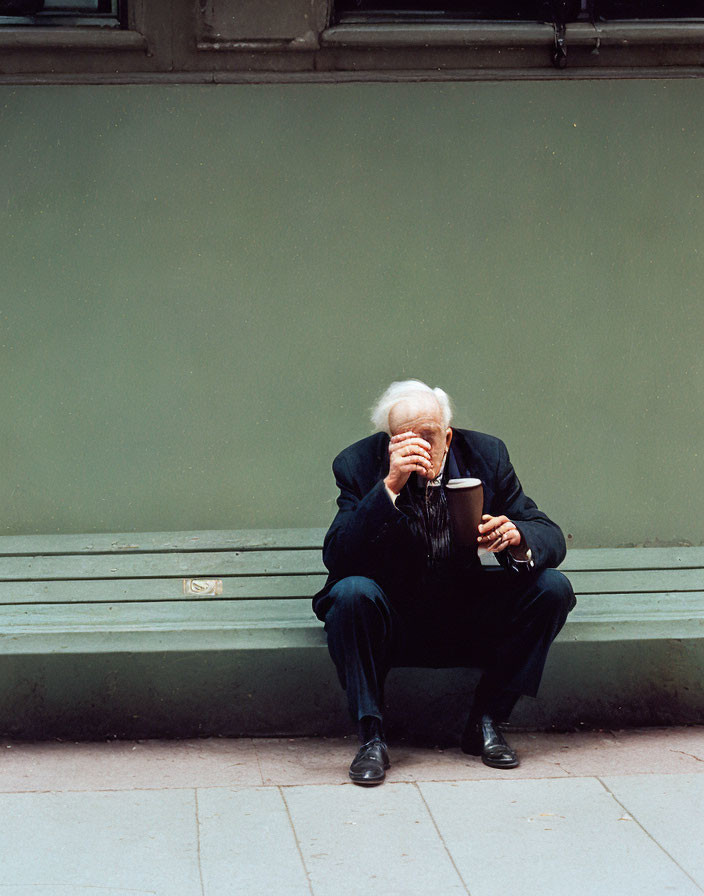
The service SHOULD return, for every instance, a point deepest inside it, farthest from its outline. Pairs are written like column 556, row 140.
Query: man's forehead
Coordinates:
column 415, row 414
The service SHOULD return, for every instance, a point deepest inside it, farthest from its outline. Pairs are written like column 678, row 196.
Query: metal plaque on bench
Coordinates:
column 202, row 587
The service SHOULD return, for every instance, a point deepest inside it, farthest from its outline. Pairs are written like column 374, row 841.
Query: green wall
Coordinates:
column 205, row 287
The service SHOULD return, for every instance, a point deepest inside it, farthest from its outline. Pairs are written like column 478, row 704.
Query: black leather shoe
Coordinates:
column 370, row 764
column 481, row 738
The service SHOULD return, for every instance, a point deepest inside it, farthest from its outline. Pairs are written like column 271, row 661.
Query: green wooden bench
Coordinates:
column 95, row 593
column 238, row 604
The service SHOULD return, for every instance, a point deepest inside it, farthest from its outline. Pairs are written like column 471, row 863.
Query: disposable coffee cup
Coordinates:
column 465, row 501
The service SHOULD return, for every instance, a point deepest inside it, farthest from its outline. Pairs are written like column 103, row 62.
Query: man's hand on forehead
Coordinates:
column 408, row 453
column 412, row 449
column 410, row 437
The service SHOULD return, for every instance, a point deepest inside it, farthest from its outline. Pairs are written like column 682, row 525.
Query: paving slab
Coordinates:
column 288, row 761
column 226, row 762
column 620, row 752
column 139, row 841
column 378, row 840
column 72, row 890
column 61, row 890
column 127, row 765
column 120, row 819
column 305, row 760
column 670, row 810
column 247, row 844
column 551, row 836
column 417, row 764
column 291, row 761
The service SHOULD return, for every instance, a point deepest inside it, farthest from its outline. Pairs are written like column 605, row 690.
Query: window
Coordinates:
column 647, row 9
column 55, row 12
column 516, row 33
column 359, row 11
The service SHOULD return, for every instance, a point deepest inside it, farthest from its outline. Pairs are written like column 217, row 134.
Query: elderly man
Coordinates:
column 400, row 593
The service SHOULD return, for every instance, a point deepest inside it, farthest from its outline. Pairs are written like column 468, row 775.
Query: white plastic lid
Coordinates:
column 463, row 483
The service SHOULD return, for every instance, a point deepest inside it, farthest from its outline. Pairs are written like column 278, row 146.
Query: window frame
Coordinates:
column 164, row 40
column 623, row 43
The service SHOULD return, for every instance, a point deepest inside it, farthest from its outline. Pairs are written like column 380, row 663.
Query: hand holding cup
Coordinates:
column 497, row 533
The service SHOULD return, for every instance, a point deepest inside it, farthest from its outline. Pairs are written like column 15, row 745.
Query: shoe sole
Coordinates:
column 472, row 751
column 513, row 763
column 370, row 782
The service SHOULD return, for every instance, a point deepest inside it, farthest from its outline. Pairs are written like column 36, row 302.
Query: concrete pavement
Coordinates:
column 592, row 812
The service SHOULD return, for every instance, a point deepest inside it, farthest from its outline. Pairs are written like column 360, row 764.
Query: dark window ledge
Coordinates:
column 308, row 41
column 31, row 37
column 474, row 34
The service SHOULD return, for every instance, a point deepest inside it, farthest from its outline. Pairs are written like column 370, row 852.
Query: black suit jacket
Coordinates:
column 371, row 537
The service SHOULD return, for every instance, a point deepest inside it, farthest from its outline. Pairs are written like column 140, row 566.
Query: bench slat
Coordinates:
column 196, row 565
column 635, row 580
column 633, row 558
column 641, row 617
column 122, row 542
column 116, row 590
column 305, row 539
column 228, row 625
column 305, row 586
column 156, row 576
column 168, row 626
column 206, row 614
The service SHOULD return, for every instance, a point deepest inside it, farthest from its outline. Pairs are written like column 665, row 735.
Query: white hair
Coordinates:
column 408, row 389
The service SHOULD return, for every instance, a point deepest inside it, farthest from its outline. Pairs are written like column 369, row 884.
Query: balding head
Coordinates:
column 418, row 409
column 411, row 396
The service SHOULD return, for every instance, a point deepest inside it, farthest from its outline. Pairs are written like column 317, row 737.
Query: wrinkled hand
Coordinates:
column 497, row 533
column 408, row 453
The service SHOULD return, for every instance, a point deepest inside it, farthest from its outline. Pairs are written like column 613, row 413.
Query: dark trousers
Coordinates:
column 500, row 622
